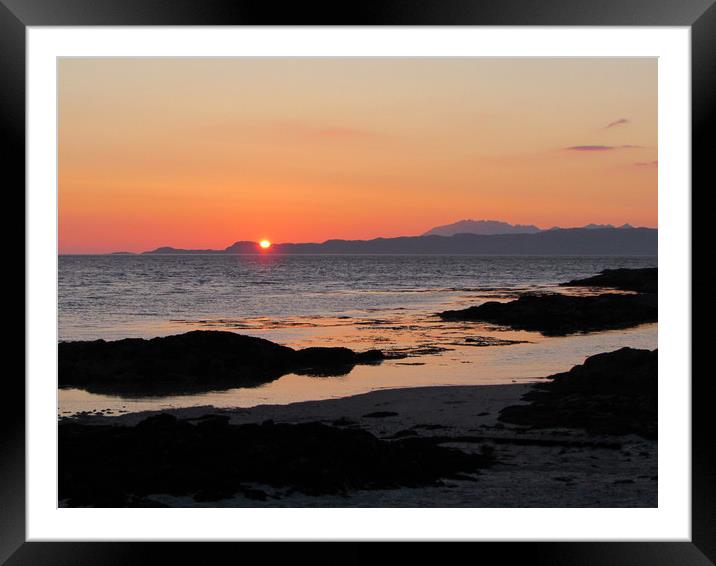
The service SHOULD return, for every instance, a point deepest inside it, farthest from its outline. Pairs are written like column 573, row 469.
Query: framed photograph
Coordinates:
column 417, row 273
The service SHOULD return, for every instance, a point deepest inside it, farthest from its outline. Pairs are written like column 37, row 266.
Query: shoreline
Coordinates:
column 554, row 467
column 585, row 437
column 413, row 401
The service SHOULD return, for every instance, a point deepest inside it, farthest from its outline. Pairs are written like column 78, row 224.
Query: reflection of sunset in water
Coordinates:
column 437, row 354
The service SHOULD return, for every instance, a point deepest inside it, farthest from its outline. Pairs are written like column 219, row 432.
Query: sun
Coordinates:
column 265, row 244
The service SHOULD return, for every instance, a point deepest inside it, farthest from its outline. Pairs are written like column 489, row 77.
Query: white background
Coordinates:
column 671, row 520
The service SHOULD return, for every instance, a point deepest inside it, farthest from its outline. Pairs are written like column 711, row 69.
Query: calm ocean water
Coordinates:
column 361, row 302
column 119, row 296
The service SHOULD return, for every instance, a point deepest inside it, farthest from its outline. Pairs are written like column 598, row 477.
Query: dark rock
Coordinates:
column 483, row 341
column 520, row 440
column 413, row 351
column 611, row 393
column 210, row 416
column 331, row 362
column 403, row 434
column 256, row 494
column 323, row 357
column 343, row 421
column 644, row 280
column 380, row 415
column 193, row 362
column 164, row 455
column 163, row 421
column 558, row 315
column 430, row 426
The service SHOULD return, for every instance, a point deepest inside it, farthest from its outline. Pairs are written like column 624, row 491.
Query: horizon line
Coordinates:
column 225, row 250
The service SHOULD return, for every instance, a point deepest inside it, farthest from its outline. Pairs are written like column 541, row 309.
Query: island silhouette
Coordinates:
column 603, row 241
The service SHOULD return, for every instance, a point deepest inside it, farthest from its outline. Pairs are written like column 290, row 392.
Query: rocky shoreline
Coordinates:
column 610, row 393
column 211, row 459
column 592, row 426
column 200, row 360
column 559, row 315
column 581, row 438
column 642, row 280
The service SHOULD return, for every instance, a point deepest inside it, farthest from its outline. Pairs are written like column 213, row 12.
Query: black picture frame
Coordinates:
column 17, row 15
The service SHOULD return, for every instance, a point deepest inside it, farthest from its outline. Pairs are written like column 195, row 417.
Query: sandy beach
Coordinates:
column 534, row 468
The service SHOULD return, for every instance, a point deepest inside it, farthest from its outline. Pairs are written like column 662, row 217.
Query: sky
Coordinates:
column 199, row 153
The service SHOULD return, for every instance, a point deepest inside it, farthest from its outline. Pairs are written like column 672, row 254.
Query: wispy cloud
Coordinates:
column 590, row 148
column 619, row 122
column 646, row 163
column 600, row 147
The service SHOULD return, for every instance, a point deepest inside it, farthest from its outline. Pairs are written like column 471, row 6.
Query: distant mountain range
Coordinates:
column 602, row 226
column 588, row 240
column 494, row 227
column 484, row 227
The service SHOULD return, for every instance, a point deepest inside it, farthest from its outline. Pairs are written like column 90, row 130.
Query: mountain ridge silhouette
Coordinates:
column 560, row 241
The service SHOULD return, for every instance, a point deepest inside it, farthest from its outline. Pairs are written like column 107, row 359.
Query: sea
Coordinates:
column 361, row 302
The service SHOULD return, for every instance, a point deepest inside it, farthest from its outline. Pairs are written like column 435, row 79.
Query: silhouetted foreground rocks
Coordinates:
column 558, row 315
column 611, row 393
column 644, row 280
column 210, row 459
column 192, row 362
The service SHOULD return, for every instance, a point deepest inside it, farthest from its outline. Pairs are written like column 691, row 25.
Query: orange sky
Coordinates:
column 199, row 153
